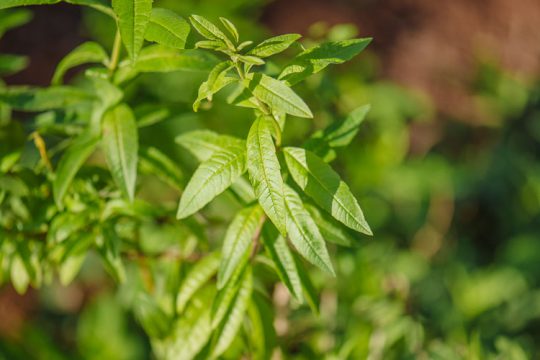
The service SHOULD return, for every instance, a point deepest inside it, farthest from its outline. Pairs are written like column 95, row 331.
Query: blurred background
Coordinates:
column 446, row 169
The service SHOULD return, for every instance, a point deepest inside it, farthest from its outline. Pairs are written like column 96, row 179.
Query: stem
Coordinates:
column 262, row 106
column 115, row 54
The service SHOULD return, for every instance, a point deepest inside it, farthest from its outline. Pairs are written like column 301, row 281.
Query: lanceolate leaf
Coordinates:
column 133, row 17
column 41, row 99
column 4, row 4
column 89, row 52
column 232, row 321
column 71, row 162
column 207, row 29
column 261, row 328
column 157, row 163
column 230, row 28
column 157, row 58
column 203, row 143
column 120, row 143
column 286, row 268
column 11, row 64
column 274, row 45
column 313, row 60
column 304, row 234
column 101, row 5
column 167, row 28
column 237, row 241
column 324, row 186
column 211, row 178
column 217, row 79
column 265, row 172
column 196, row 278
column 330, row 229
column 278, row 95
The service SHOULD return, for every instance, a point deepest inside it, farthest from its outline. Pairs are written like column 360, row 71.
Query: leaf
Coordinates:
column 20, row 278
column 72, row 160
column 13, row 18
column 41, row 99
column 285, row 267
column 330, row 229
column 309, row 291
column 261, row 330
column 230, row 28
column 5, row 4
column 88, row 52
column 203, row 143
column 304, row 234
column 101, row 5
column 315, row 59
column 324, row 186
column 237, row 241
column 278, row 96
column 265, row 172
column 120, row 144
column 211, row 178
column 196, row 278
column 157, row 58
column 11, row 64
column 232, row 321
column 157, row 163
column 153, row 319
column 133, row 17
column 208, row 30
column 167, row 28
column 274, row 45
column 216, row 81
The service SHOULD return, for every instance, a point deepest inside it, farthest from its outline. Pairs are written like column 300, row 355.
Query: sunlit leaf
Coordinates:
column 167, row 28
column 133, row 17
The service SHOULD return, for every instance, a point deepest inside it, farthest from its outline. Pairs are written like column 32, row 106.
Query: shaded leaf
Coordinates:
column 41, row 99
column 11, row 64
column 157, row 163
column 4, row 4
column 196, row 278
column 120, row 144
column 89, row 52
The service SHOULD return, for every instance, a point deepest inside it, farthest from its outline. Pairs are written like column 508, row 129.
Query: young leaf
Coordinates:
column 304, row 234
column 89, row 52
column 4, row 4
column 167, row 28
column 71, row 162
column 230, row 28
column 208, row 30
column 313, row 60
column 233, row 319
column 196, row 278
column 132, row 17
column 274, row 45
column 278, row 96
column 41, row 99
column 217, row 79
column 281, row 256
column 120, row 144
column 319, row 181
column 211, row 178
column 265, row 172
column 237, row 241
column 203, row 143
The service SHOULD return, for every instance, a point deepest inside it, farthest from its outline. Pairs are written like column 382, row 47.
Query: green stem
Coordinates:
column 115, row 54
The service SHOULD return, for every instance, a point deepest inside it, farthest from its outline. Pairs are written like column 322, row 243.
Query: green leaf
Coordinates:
column 319, row 181
column 237, row 241
column 265, row 172
column 101, row 5
column 331, row 230
column 120, row 144
column 41, row 99
column 261, row 330
column 157, row 58
column 283, row 259
column 217, row 79
column 315, row 59
column 309, row 291
column 153, row 319
column 211, row 178
column 203, row 143
column 196, row 278
column 208, row 30
column 20, row 277
column 278, row 96
column 154, row 162
column 4, row 4
column 133, row 17
column 304, row 234
column 11, row 64
column 167, row 28
column 230, row 28
column 232, row 321
column 13, row 18
column 274, row 45
column 89, row 52
column 72, row 160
